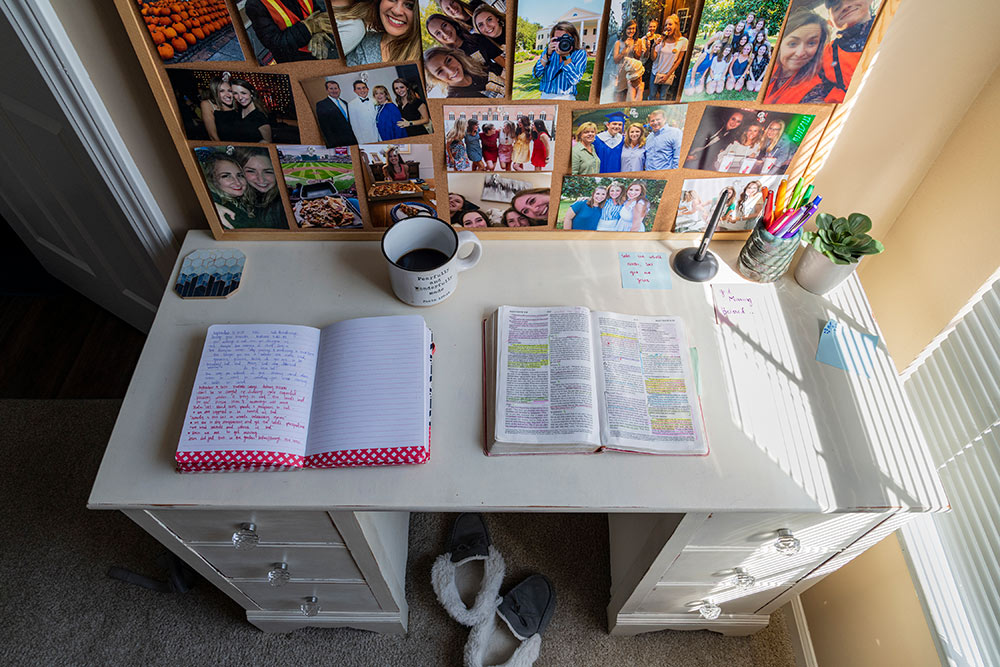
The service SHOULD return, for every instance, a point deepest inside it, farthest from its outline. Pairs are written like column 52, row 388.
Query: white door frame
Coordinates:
column 49, row 47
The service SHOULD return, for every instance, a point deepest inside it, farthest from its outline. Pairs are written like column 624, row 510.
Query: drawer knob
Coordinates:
column 310, row 607
column 709, row 610
column 246, row 537
column 279, row 576
column 787, row 543
column 743, row 579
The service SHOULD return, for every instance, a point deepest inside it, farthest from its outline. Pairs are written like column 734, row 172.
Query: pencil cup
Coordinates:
column 765, row 257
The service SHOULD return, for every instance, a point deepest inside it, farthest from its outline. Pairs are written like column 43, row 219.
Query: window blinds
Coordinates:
column 955, row 557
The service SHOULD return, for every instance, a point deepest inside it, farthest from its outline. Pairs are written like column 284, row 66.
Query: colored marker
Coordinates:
column 780, row 197
column 793, row 201
column 782, row 222
column 806, row 195
column 804, row 218
column 769, row 209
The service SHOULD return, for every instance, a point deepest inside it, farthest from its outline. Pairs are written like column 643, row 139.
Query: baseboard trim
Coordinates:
column 798, row 632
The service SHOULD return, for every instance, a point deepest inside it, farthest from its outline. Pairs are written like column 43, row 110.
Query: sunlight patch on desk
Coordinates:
column 882, row 411
column 766, row 399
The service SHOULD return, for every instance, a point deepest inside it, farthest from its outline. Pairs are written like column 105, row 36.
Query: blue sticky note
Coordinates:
column 645, row 270
column 842, row 347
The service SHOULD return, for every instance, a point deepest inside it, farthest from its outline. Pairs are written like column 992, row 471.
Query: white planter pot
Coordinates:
column 817, row 274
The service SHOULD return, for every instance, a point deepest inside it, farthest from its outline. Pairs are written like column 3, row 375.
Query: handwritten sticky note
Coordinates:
column 843, row 347
column 645, row 270
column 737, row 304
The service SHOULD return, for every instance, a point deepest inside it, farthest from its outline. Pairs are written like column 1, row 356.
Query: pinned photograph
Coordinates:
column 378, row 31
column 246, row 107
column 285, row 31
column 611, row 141
column 820, row 49
column 190, row 31
column 559, row 63
column 465, row 48
column 499, row 138
column 242, row 183
column 492, row 200
column 368, row 106
column 321, row 187
column 733, row 49
column 747, row 141
column 647, row 49
column 608, row 204
column 398, row 180
column 700, row 195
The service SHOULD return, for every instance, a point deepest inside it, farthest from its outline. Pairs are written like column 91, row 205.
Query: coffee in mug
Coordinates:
column 422, row 255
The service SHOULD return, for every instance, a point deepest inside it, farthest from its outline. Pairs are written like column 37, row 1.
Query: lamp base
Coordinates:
column 689, row 268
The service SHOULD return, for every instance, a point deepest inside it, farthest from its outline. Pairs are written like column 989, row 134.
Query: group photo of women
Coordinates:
column 746, row 202
column 528, row 208
column 522, row 144
column 235, row 106
column 608, row 204
column 646, row 51
column 747, row 141
column 819, row 50
column 378, row 31
column 243, row 185
column 465, row 49
column 611, row 141
column 732, row 51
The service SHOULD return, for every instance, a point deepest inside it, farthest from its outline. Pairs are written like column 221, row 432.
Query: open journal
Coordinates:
column 277, row 396
column 566, row 380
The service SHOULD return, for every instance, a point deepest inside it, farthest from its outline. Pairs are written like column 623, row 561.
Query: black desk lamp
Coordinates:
column 698, row 264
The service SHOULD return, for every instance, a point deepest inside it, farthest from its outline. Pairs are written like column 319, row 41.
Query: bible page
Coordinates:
column 372, row 385
column 253, row 390
column 648, row 398
column 545, row 387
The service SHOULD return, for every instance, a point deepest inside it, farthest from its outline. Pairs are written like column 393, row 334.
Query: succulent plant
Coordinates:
column 843, row 240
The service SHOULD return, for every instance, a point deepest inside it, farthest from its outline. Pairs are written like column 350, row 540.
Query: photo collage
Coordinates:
column 359, row 110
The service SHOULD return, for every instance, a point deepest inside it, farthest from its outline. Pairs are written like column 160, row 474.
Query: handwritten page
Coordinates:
column 371, row 385
column 845, row 348
column 738, row 304
column 253, row 390
column 645, row 270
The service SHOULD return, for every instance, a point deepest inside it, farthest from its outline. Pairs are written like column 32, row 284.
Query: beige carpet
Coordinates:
column 59, row 608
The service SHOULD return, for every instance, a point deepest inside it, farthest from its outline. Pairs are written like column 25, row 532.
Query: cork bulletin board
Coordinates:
column 306, row 77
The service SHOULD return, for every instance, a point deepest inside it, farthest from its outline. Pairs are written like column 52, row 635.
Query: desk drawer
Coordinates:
column 331, row 597
column 816, row 532
column 273, row 526
column 319, row 562
column 680, row 599
column 716, row 566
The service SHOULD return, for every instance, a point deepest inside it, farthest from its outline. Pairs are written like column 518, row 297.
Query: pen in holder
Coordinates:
column 764, row 256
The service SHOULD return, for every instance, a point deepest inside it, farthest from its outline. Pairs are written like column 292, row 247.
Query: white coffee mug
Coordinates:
column 422, row 255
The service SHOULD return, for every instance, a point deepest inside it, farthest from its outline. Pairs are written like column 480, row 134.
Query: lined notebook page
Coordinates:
column 371, row 385
column 253, row 390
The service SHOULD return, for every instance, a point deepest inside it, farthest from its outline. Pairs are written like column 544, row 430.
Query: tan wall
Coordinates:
column 944, row 244
column 98, row 37
column 921, row 173
column 867, row 613
column 913, row 98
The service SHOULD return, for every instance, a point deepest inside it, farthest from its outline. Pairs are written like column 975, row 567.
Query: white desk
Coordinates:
column 845, row 445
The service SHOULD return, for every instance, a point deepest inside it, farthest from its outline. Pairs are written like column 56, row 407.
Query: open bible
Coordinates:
column 277, row 396
column 566, row 380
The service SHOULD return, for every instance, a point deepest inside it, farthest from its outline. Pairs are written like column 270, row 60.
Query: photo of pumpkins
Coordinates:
column 186, row 31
